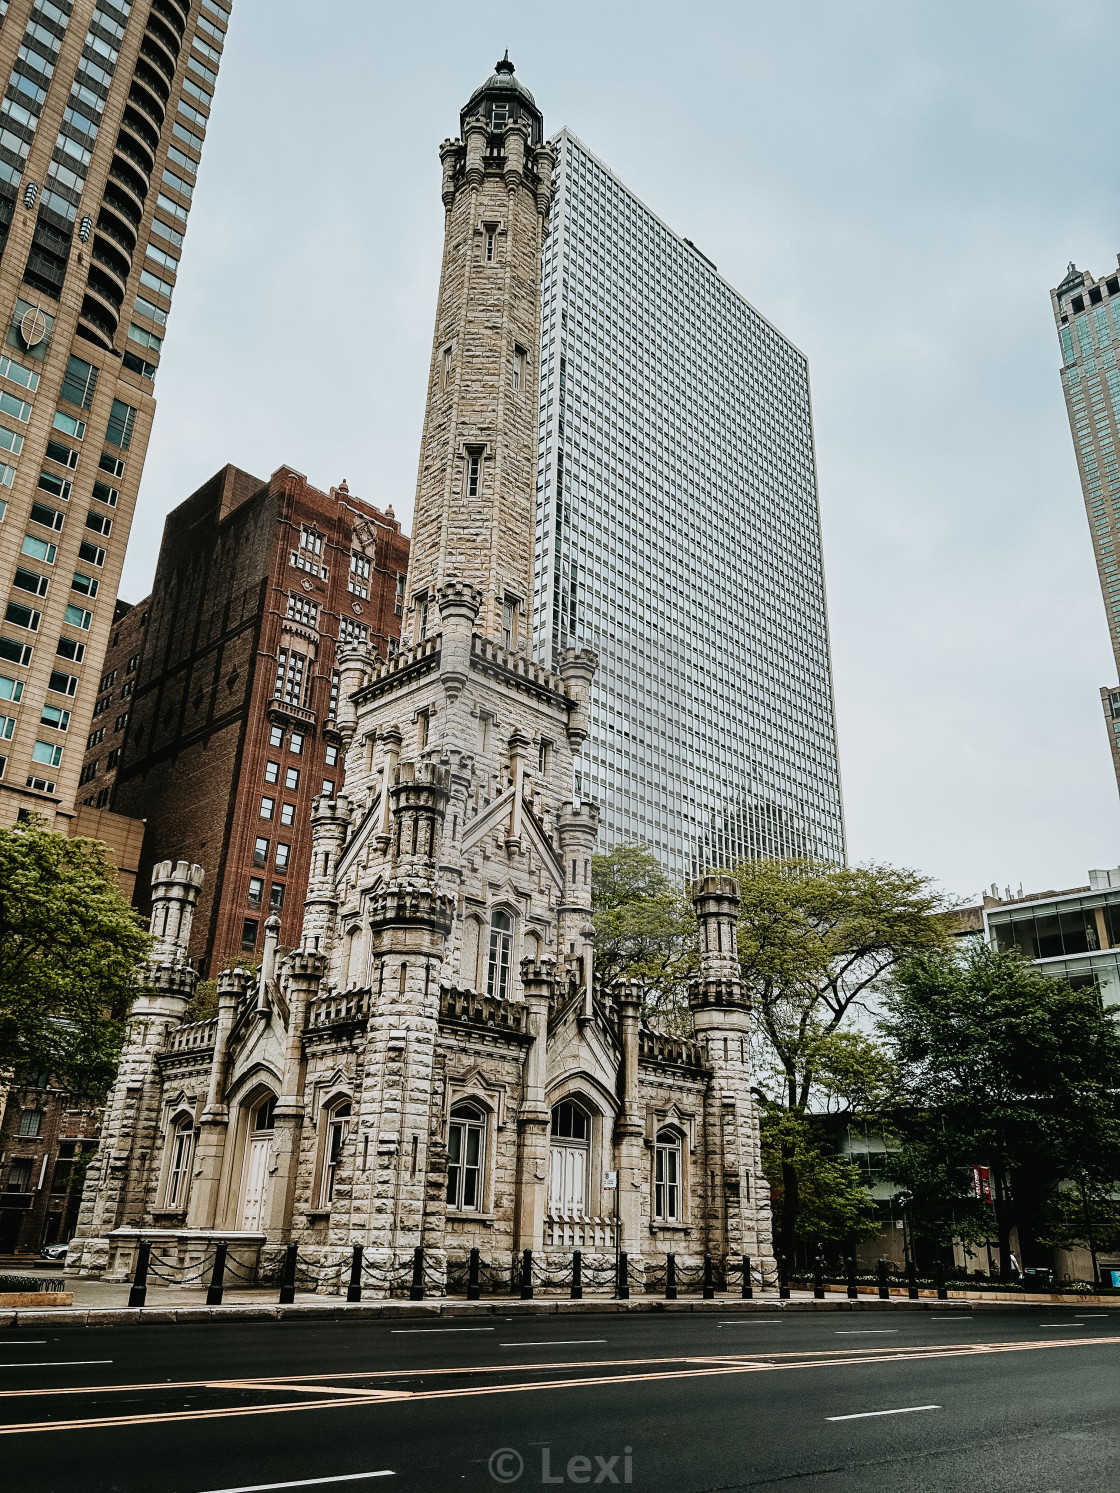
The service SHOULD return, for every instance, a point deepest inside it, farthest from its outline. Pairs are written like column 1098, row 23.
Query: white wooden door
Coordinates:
column 256, row 1179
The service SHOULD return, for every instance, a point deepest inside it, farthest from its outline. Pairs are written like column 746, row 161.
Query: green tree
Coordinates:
column 1005, row 1067
column 70, row 952
column 645, row 929
column 830, row 1204
column 815, row 944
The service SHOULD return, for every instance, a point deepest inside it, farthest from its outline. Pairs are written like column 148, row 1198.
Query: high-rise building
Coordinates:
column 215, row 719
column 1087, row 316
column 678, row 534
column 101, row 130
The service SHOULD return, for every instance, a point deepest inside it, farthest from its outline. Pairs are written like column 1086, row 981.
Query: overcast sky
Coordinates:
column 896, row 185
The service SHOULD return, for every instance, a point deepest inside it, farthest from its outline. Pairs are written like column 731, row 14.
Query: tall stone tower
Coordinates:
column 475, row 491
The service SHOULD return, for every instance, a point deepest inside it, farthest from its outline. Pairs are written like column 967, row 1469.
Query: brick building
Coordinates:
column 215, row 718
column 46, row 1139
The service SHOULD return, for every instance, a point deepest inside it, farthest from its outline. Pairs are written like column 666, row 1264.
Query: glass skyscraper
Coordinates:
column 1087, row 317
column 678, row 534
column 102, row 122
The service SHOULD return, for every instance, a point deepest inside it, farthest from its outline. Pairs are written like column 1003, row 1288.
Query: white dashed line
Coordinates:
column 401, row 1330
column 865, row 1331
column 870, row 1414
column 54, row 1363
column 305, row 1482
column 557, row 1342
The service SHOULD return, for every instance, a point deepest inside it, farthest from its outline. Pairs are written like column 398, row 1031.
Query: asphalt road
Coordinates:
column 1027, row 1402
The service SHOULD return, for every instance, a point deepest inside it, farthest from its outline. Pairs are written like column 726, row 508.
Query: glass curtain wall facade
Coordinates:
column 678, row 534
column 102, row 123
column 1087, row 317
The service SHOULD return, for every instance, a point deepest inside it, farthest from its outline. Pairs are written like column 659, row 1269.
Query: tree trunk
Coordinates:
column 791, row 1198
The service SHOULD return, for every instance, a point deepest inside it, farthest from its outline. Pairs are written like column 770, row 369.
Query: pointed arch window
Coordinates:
column 337, row 1129
column 570, row 1159
column 667, row 1177
column 501, row 949
column 466, row 1151
column 179, row 1172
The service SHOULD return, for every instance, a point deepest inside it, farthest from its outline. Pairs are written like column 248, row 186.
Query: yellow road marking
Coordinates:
column 698, row 1368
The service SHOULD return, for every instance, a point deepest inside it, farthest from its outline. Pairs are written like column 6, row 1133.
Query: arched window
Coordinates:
column 501, row 947
column 179, row 1172
column 338, row 1125
column 570, row 1161
column 262, row 1115
column 466, row 1151
column 667, row 1177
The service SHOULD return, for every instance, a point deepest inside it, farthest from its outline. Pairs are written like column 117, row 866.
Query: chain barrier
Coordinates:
column 182, row 1277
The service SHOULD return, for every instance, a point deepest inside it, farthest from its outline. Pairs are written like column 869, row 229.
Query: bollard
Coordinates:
column 884, row 1289
column 288, row 1276
column 670, row 1277
column 217, row 1280
column 853, row 1289
column 139, row 1293
column 577, row 1275
column 527, row 1275
column 354, row 1289
column 912, row 1281
column 783, row 1279
column 474, row 1288
column 709, row 1285
column 748, row 1289
column 416, row 1290
column 818, row 1279
column 622, row 1278
column 939, row 1277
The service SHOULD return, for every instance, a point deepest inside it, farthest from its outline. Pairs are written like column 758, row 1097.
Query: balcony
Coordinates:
column 118, row 230
column 129, row 181
column 283, row 714
column 111, row 262
column 173, row 12
column 134, row 148
column 148, row 102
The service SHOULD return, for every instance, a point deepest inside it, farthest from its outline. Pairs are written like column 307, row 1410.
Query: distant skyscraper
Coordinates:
column 678, row 534
column 1087, row 316
column 101, row 129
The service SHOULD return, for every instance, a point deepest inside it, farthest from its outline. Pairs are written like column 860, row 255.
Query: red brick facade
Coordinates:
column 230, row 734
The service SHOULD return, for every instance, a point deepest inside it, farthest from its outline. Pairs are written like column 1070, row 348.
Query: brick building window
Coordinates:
column 260, row 851
column 398, row 605
column 276, row 896
column 328, row 787
column 112, row 759
column 256, row 892
column 276, row 737
column 331, row 756
column 88, row 771
column 308, row 556
column 332, row 707
column 108, row 680
column 95, row 738
column 102, row 799
column 295, row 743
column 272, row 769
column 283, row 855
column 352, row 632
column 31, row 1122
column 359, row 576
column 303, row 609
column 291, row 779
column 287, row 814
column 249, row 933
column 268, row 808
column 19, row 1175
column 290, row 668
column 121, row 722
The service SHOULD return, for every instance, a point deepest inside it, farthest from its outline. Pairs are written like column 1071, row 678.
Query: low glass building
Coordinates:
column 678, row 535
column 1074, row 934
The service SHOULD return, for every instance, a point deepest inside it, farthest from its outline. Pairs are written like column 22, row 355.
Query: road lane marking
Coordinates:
column 398, row 1331
column 38, row 1342
column 556, row 1342
column 1059, row 1324
column 1090, row 1314
column 944, row 1317
column 696, row 1368
column 870, row 1414
column 305, row 1482
column 762, row 1322
column 866, row 1331
column 54, row 1363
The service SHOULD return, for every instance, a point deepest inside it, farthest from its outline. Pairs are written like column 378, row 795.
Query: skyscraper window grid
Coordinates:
column 678, row 534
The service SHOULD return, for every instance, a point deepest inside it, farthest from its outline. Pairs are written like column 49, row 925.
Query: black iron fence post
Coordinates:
column 474, row 1288
column 884, row 1289
column 288, row 1276
column 912, row 1280
column 354, row 1289
column 217, row 1280
column 783, row 1278
column 818, row 1278
column 748, row 1288
column 527, row 1275
column 416, row 1290
column 853, row 1289
column 577, row 1275
column 709, row 1284
column 622, row 1279
column 139, row 1293
column 670, row 1277
column 939, row 1279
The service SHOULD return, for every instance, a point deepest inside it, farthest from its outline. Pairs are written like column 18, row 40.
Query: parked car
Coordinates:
column 53, row 1252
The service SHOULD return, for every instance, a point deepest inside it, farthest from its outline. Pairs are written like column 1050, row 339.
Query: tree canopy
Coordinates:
column 1004, row 1067
column 70, row 953
column 645, row 930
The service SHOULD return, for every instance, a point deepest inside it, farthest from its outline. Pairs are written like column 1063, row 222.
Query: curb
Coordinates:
column 395, row 1311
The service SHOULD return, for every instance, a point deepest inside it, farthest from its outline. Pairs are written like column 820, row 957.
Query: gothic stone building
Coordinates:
column 436, row 1064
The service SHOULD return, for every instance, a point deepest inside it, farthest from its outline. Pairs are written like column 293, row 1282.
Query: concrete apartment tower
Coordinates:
column 437, row 1064
column 101, row 128
column 1087, row 318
